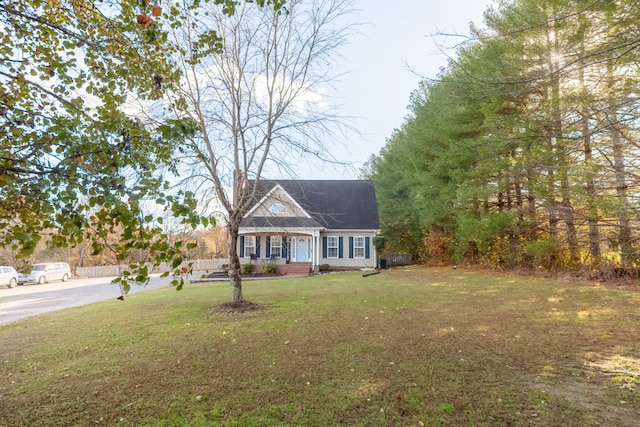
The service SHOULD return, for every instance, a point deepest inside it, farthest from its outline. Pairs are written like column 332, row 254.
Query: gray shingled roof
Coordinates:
column 333, row 204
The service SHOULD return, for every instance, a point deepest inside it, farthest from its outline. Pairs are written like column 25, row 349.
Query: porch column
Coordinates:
column 375, row 253
column 316, row 249
column 313, row 251
column 316, row 258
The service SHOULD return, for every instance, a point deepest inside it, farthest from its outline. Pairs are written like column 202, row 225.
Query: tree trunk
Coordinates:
column 518, row 193
column 235, row 278
column 532, row 217
column 592, row 218
column 551, row 204
column 569, row 217
column 594, row 230
column 624, row 222
column 560, row 149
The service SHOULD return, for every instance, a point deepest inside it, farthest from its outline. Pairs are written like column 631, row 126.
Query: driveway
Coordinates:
column 31, row 300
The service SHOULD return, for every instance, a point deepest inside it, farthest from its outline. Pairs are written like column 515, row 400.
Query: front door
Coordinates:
column 302, row 249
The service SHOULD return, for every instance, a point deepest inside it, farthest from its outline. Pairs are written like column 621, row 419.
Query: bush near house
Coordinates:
column 269, row 268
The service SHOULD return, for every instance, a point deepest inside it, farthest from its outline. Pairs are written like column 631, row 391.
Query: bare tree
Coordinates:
column 253, row 88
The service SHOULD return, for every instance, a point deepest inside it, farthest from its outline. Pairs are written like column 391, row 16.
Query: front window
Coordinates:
column 358, row 247
column 332, row 247
column 249, row 245
column 276, row 246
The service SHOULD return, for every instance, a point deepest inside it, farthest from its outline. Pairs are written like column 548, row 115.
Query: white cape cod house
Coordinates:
column 301, row 225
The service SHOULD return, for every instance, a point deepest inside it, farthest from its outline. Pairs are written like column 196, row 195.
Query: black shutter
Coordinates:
column 284, row 247
column 367, row 250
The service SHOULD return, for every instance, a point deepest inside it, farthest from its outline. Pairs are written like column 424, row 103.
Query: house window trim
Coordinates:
column 247, row 239
column 356, row 247
column 273, row 246
column 336, row 247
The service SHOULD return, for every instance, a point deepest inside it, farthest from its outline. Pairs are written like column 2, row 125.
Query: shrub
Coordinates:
column 483, row 230
column 324, row 267
column 379, row 242
column 269, row 268
column 503, row 252
column 544, row 252
column 437, row 248
column 548, row 254
column 247, row 268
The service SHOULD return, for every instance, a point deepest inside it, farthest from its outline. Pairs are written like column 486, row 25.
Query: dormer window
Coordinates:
column 277, row 208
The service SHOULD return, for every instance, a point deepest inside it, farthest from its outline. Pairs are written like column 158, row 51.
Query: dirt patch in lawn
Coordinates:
column 237, row 307
column 596, row 400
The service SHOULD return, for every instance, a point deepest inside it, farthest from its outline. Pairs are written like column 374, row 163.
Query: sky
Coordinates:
column 384, row 64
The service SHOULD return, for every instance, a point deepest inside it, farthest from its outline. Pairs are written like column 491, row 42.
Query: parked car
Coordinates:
column 22, row 278
column 8, row 276
column 48, row 271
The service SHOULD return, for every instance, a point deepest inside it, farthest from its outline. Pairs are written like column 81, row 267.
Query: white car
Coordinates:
column 8, row 276
column 48, row 271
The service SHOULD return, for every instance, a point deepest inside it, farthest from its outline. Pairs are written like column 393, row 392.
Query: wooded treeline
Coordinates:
column 524, row 152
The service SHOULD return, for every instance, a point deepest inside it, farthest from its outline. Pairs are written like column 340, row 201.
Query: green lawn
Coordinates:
column 407, row 347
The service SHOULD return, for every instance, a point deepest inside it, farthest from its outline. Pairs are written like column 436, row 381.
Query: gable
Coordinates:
column 277, row 203
column 332, row 204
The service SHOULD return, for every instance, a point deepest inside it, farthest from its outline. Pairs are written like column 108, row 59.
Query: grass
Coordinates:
column 407, row 347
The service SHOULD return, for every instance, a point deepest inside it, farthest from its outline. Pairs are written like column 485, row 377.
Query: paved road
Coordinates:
column 31, row 300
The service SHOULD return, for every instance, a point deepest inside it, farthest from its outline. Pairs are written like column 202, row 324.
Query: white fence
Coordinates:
column 116, row 270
